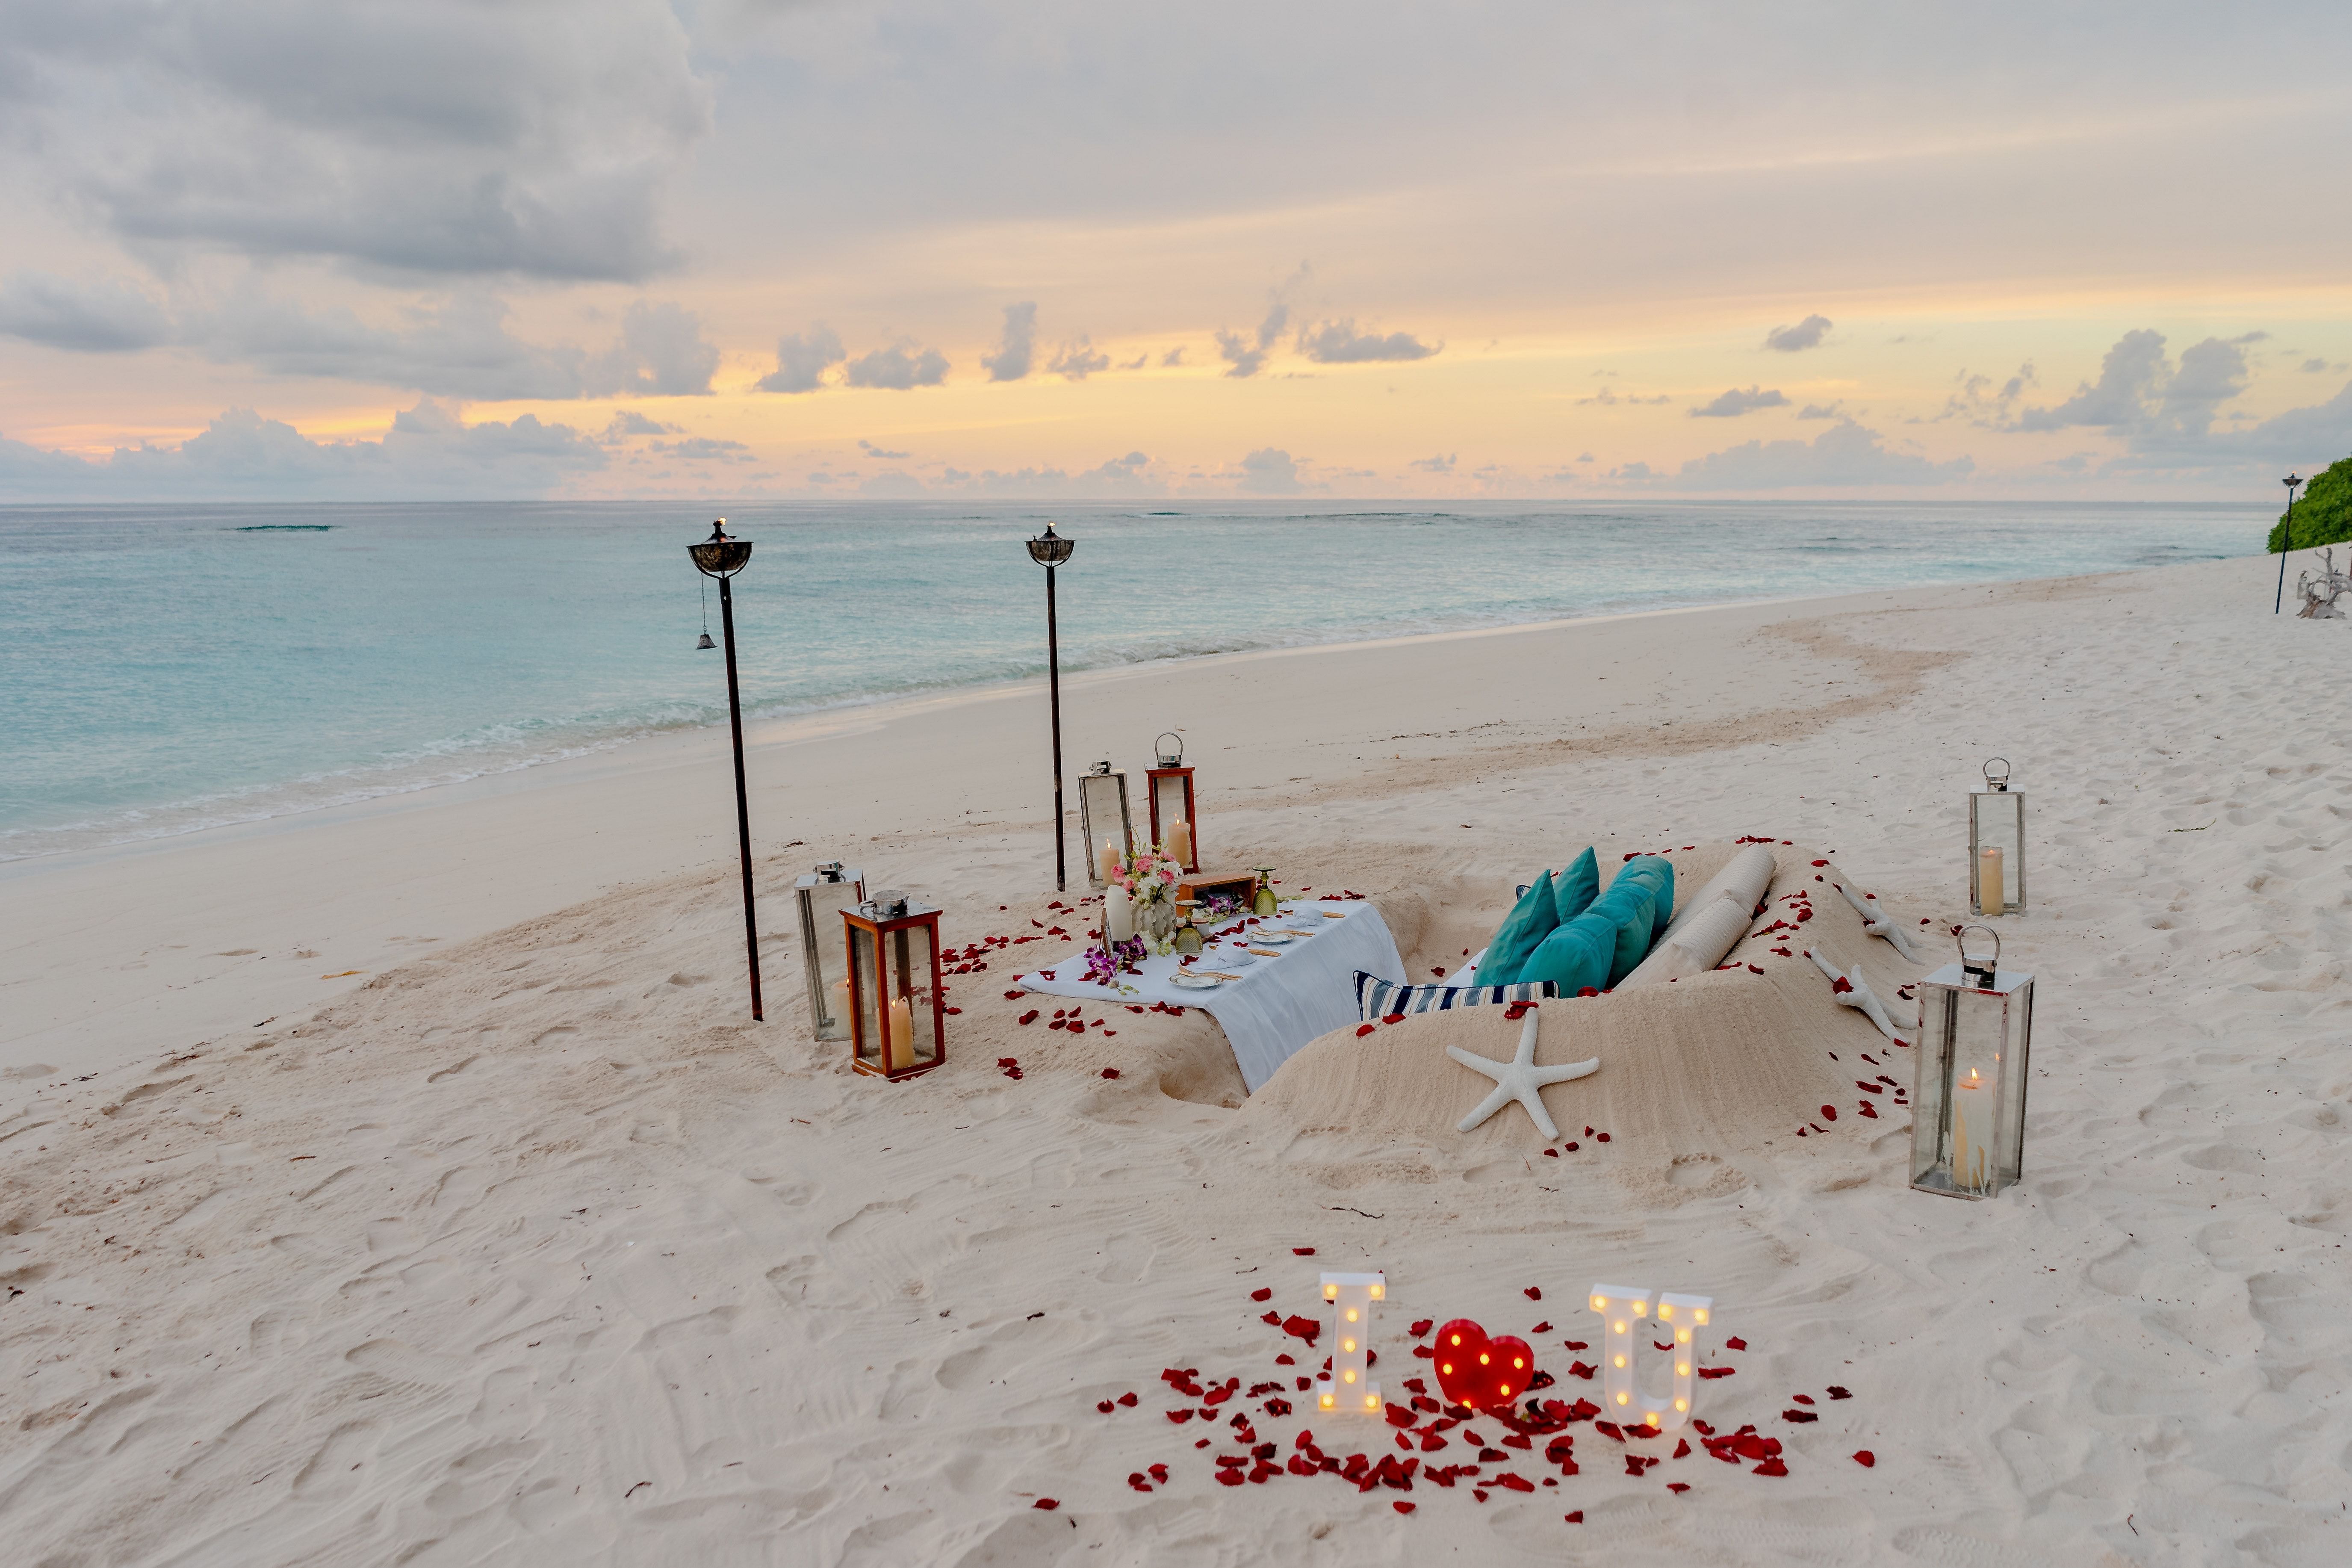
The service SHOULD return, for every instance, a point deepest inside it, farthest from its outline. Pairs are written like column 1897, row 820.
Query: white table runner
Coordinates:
column 1278, row 1003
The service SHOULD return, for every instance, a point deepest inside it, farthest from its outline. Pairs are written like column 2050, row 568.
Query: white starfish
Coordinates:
column 1518, row 1078
column 1857, row 994
column 1876, row 920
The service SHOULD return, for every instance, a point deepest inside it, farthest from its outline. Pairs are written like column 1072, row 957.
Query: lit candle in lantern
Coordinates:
column 901, row 1049
column 1110, row 861
column 1119, row 913
column 1179, row 843
column 1991, row 893
column 1968, row 1158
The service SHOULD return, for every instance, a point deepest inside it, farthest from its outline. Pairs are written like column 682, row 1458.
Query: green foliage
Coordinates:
column 2324, row 515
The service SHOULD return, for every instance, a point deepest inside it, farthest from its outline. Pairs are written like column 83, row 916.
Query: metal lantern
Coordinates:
column 1996, row 845
column 1968, row 1098
column 822, row 894
column 1168, row 787
column 896, row 1009
column 1103, row 819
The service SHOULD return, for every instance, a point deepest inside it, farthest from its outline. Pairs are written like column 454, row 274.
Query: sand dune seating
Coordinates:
column 1727, row 1057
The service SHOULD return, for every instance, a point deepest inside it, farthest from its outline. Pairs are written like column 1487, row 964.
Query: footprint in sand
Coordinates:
column 334, row 1470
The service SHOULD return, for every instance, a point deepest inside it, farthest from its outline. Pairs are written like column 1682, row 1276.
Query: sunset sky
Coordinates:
column 279, row 249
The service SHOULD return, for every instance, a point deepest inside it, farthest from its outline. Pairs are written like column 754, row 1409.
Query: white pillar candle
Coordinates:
column 900, row 1054
column 1110, row 861
column 1993, row 896
column 1119, row 913
column 1180, row 842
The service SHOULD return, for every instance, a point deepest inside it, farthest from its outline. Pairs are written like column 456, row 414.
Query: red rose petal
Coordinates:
column 1302, row 1252
column 1601, row 1137
column 1404, row 1507
column 1542, row 1328
column 1678, row 1485
column 1772, row 1467
column 1048, row 1504
column 1802, row 1399
column 1365, row 1030
column 1392, row 1017
column 1533, row 1292
column 1552, row 1153
column 1572, row 1148
column 1421, row 1326
column 1837, row 1393
column 1110, row 1072
column 1735, row 1344
column 1128, row 1399
column 1261, row 1295
column 1576, row 1518
column 1866, row 1458
column 1829, row 1113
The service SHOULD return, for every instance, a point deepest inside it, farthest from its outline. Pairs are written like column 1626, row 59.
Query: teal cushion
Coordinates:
column 1522, row 931
column 1578, row 887
column 1657, row 873
column 1577, row 955
column 1627, row 907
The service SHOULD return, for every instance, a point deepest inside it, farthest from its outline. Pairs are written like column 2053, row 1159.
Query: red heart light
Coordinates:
column 1480, row 1373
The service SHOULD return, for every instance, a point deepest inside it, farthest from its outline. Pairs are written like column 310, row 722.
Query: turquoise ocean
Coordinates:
column 164, row 670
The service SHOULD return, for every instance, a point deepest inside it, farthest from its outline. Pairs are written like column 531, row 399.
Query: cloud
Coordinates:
column 1138, row 362
column 1842, row 456
column 1012, row 360
column 1438, row 465
column 1078, row 360
column 1806, row 334
column 1339, row 343
column 661, row 354
column 1972, row 404
column 1173, row 356
column 98, row 315
column 428, row 452
column 2163, row 412
column 433, row 137
column 628, row 422
column 1820, row 411
column 705, row 448
column 1244, row 357
column 1607, row 397
column 896, row 369
column 801, row 360
column 1735, row 403
column 2318, row 366
column 1269, row 472
column 2129, row 377
column 872, row 450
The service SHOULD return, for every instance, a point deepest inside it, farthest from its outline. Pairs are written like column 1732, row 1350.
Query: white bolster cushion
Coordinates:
column 1699, row 945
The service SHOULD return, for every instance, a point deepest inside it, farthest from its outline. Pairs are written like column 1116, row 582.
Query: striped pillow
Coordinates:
column 1377, row 998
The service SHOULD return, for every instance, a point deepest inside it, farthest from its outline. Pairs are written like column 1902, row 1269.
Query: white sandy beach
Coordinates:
column 407, row 1184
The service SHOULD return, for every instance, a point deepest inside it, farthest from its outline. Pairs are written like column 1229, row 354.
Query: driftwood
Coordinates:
column 2320, row 589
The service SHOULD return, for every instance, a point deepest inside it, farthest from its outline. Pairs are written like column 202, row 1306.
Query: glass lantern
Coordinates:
column 1967, row 1096
column 1104, row 826
column 822, row 894
column 1168, row 789
column 1996, row 845
column 896, row 1009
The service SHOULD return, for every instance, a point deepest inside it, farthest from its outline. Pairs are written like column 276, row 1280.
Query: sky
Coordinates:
column 290, row 249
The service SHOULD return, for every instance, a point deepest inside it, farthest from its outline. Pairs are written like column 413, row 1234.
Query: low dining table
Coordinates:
column 1281, row 996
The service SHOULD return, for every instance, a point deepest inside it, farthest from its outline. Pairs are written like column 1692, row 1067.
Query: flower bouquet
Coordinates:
column 1150, row 877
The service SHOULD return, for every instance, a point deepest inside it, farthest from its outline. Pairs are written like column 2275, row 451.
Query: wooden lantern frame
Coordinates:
column 893, row 934
column 1173, row 768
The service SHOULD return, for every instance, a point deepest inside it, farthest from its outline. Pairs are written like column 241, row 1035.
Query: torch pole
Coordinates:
column 1053, row 685
column 2286, row 542
column 743, row 804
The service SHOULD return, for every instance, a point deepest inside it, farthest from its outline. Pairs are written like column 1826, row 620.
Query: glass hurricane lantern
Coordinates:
column 822, row 894
column 1968, row 1093
column 1103, row 818
column 1996, row 846
column 1169, row 790
column 898, row 1024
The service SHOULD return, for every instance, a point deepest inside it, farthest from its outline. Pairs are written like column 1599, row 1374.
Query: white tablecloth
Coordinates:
column 1278, row 1003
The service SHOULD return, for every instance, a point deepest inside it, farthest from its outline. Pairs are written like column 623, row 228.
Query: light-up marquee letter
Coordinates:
column 1348, row 1386
column 1623, row 1313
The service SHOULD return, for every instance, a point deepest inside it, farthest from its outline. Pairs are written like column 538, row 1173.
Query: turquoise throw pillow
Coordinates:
column 1627, row 907
column 1656, row 873
column 1522, row 931
column 1578, row 887
column 1577, row 955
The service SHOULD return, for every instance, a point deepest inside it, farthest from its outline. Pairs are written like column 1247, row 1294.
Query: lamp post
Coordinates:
column 721, row 557
column 2286, row 541
column 1050, row 550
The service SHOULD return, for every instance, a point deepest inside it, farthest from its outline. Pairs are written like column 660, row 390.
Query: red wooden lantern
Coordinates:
column 1168, row 787
column 897, row 1020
